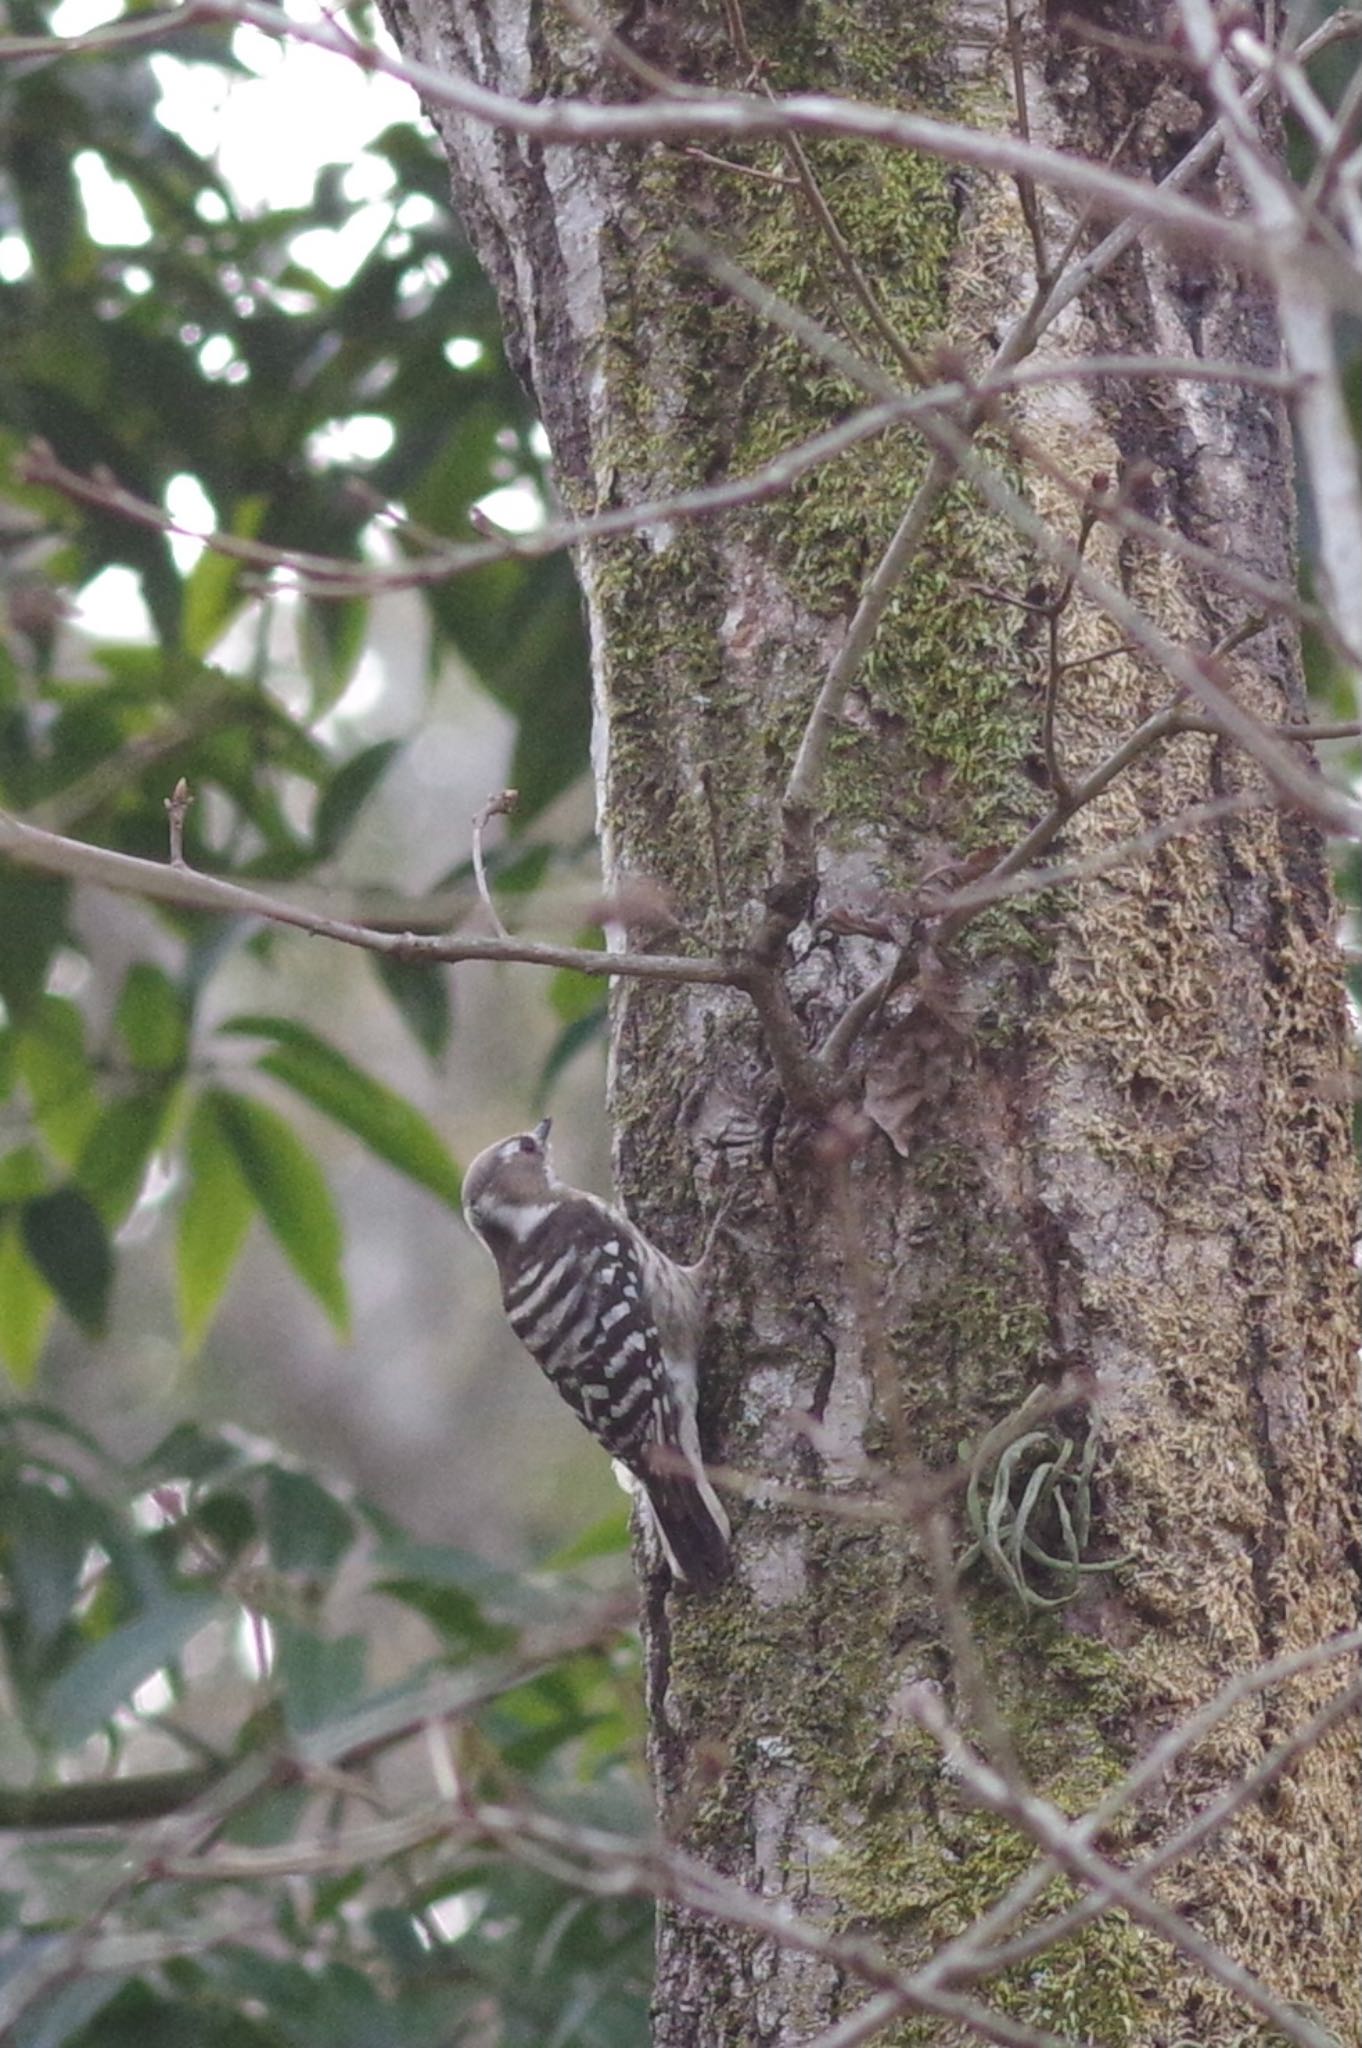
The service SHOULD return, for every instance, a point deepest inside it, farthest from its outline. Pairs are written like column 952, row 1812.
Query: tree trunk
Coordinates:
column 1108, row 1137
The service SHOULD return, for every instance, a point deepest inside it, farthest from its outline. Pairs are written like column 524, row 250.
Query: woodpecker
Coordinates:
column 616, row 1326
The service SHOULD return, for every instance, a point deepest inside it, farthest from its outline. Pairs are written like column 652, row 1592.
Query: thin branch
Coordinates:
column 1026, row 191
column 801, row 791
column 1328, row 807
column 189, row 889
column 802, row 1074
column 1306, row 311
column 1199, row 158
column 725, row 115
column 611, row 1864
column 118, row 35
column 863, row 2025
column 720, row 115
column 62, row 1954
column 1212, row 1818
column 1331, row 165
column 908, row 360
column 499, row 806
column 1006, row 881
column 335, row 576
column 964, row 1956
column 1293, row 780
column 1229, row 718
column 1068, row 1846
column 995, row 888
column 177, row 810
column 724, row 163
column 1270, row 593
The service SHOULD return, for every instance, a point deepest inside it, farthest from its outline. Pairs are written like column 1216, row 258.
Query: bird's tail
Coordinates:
column 690, row 1522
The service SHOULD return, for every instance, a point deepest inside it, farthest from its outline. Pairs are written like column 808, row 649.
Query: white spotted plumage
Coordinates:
column 615, row 1325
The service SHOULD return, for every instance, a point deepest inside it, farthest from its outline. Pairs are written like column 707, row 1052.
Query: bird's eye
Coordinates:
column 529, row 1145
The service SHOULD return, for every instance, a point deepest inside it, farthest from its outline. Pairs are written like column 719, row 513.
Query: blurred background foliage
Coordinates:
column 212, row 1652
column 230, row 1156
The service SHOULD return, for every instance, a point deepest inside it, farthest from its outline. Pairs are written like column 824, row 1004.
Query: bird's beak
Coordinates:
column 542, row 1129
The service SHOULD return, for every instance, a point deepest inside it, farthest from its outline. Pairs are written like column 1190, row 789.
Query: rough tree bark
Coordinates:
column 1111, row 1138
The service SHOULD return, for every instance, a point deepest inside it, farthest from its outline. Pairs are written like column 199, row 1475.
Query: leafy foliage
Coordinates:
column 211, row 352
column 175, row 1647
column 124, row 1632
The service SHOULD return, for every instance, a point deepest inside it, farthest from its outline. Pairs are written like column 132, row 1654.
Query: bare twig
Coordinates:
column 611, row 1864
column 1292, row 779
column 499, row 806
column 177, row 809
column 699, row 117
column 1306, row 311
column 1331, row 164
column 863, row 2025
column 1212, row 1818
column 908, row 360
column 1068, row 1845
column 1329, row 808
column 335, row 576
column 724, row 163
column 995, row 888
column 189, row 889
column 1009, row 878
column 968, row 1954
column 707, row 116
column 1199, row 158
column 117, row 35
column 1026, row 191
column 801, row 791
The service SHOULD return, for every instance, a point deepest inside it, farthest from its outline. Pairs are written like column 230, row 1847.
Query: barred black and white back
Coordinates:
column 616, row 1326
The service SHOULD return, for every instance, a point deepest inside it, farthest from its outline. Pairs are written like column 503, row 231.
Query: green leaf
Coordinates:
column 190, row 1452
column 114, row 1159
column 497, row 1595
column 572, row 1039
column 32, row 927
column 380, row 1118
column 317, row 1678
column 47, row 1540
column 331, row 640
column 215, row 1215
column 229, row 1521
column 66, row 2011
column 346, row 794
column 573, row 995
column 421, row 995
column 273, row 1816
column 606, row 1538
column 306, row 1527
column 51, row 1057
column 520, row 627
column 291, row 1194
column 104, row 1677
column 451, row 1612
column 23, row 1172
column 26, row 1306
column 65, row 1237
column 212, row 590
column 153, row 1019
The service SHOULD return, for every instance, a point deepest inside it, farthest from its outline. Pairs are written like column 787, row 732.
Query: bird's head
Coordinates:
column 510, row 1188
